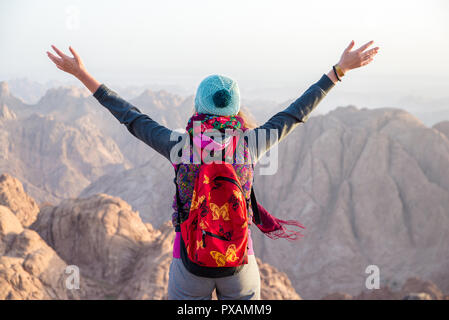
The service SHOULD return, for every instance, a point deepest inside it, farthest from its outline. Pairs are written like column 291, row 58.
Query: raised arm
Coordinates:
column 140, row 125
column 298, row 112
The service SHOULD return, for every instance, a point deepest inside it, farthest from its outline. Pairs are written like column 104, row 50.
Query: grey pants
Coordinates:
column 183, row 285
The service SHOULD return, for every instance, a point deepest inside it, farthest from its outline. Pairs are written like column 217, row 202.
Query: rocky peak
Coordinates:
column 442, row 127
column 4, row 89
column 62, row 93
column 6, row 114
column 29, row 268
column 275, row 285
column 160, row 99
column 413, row 289
column 13, row 195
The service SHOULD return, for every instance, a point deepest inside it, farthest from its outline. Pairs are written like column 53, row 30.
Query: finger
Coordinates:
column 59, row 52
column 366, row 45
column 370, row 52
column 75, row 54
column 53, row 58
column 364, row 63
column 350, row 46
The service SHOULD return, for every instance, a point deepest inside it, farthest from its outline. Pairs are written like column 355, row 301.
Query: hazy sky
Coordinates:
column 276, row 44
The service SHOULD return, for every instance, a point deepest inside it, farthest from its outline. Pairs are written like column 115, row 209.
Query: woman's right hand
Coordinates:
column 68, row 64
column 75, row 67
column 357, row 58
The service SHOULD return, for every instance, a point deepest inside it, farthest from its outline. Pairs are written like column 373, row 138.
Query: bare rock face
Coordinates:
column 418, row 296
column 372, row 188
column 29, row 268
column 442, row 127
column 55, row 160
column 56, row 147
column 101, row 235
column 275, row 285
column 149, row 279
column 12, row 103
column 412, row 289
column 4, row 89
column 149, row 188
column 427, row 287
column 72, row 105
column 67, row 140
column 13, row 196
column 9, row 227
column 6, row 114
column 338, row 296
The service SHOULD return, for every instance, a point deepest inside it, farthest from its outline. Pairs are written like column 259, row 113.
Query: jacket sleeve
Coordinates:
column 282, row 123
column 140, row 125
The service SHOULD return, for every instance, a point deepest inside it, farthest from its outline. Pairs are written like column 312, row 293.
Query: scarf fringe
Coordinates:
column 286, row 233
column 275, row 228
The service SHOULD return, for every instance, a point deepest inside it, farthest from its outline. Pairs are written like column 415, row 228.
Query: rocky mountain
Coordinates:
column 6, row 114
column 82, row 139
column 31, row 91
column 372, row 188
column 443, row 127
column 55, row 160
column 29, row 268
column 412, row 289
column 6, row 98
column 79, row 108
column 13, row 197
column 148, row 188
column 118, row 256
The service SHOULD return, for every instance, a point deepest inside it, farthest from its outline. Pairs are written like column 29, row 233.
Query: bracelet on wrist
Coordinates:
column 339, row 70
column 336, row 74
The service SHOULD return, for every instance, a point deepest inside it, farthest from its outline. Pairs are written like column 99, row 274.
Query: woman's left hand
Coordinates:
column 357, row 58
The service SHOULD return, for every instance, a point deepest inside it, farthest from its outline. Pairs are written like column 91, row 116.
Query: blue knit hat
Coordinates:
column 219, row 95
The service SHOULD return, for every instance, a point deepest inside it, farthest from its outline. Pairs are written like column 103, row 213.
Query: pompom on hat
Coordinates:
column 218, row 95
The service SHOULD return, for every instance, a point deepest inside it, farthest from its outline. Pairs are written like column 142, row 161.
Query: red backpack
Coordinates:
column 214, row 236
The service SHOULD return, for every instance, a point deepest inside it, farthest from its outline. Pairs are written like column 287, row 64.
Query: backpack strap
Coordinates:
column 256, row 213
column 178, row 200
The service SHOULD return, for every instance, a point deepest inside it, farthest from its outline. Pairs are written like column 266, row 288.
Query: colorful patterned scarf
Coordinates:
column 271, row 226
column 210, row 121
